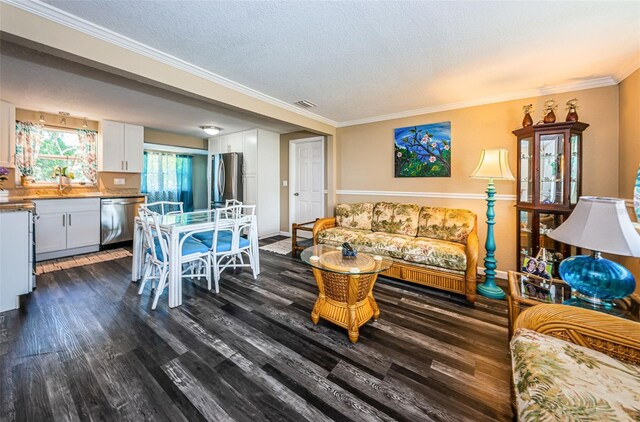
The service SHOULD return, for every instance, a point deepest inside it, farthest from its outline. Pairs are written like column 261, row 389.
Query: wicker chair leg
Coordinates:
column 374, row 306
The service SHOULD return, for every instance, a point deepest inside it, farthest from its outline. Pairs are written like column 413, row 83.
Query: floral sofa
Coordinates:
column 574, row 364
column 437, row 247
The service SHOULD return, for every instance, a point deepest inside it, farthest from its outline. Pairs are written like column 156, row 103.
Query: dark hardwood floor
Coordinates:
column 85, row 346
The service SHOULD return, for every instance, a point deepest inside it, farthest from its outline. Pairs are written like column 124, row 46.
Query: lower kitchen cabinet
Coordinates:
column 66, row 227
column 15, row 262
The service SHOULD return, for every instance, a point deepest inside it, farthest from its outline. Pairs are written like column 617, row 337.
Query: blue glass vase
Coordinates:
column 596, row 279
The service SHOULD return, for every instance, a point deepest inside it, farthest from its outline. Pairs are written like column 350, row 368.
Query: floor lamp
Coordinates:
column 493, row 165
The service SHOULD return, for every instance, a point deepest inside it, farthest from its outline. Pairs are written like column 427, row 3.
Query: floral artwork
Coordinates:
column 423, row 151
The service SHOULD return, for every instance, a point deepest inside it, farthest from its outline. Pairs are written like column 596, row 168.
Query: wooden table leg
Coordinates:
column 352, row 298
column 315, row 313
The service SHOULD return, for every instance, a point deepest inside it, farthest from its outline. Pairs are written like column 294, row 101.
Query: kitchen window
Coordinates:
column 42, row 151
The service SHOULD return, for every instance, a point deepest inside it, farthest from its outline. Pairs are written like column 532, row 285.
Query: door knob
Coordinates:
column 296, row 194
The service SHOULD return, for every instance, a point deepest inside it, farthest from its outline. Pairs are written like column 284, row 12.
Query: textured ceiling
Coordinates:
column 360, row 59
column 39, row 81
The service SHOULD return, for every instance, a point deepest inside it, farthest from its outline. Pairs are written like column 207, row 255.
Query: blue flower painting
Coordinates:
column 423, row 151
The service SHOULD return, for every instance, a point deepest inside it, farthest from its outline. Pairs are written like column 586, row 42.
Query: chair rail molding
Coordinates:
column 444, row 195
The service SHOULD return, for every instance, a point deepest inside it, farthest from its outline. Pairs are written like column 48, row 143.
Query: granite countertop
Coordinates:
column 75, row 196
column 8, row 205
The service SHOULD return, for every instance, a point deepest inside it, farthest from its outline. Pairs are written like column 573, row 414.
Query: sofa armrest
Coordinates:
column 322, row 224
column 471, row 251
column 614, row 336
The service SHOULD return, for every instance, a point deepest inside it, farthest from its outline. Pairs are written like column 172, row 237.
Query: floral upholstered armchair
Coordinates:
column 574, row 364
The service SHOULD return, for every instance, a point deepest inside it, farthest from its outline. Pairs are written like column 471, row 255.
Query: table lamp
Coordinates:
column 600, row 225
column 493, row 165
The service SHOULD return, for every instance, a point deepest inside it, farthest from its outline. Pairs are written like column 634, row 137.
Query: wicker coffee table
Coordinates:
column 345, row 285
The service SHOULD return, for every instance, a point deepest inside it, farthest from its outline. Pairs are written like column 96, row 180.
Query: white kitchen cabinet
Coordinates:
column 83, row 228
column 133, row 148
column 67, row 227
column 15, row 263
column 250, row 151
column 226, row 143
column 51, row 232
column 120, row 147
column 7, row 133
column 260, row 173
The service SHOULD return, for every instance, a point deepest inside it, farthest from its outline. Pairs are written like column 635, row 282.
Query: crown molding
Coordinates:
column 627, row 71
column 66, row 19
column 442, row 195
column 536, row 92
column 61, row 17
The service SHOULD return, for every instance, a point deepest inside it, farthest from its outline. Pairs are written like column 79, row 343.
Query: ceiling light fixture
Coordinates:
column 42, row 119
column 210, row 130
column 64, row 115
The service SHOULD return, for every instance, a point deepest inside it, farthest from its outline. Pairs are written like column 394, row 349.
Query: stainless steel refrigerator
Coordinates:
column 226, row 177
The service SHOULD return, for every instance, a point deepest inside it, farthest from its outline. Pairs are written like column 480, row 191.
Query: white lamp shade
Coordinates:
column 600, row 224
column 494, row 164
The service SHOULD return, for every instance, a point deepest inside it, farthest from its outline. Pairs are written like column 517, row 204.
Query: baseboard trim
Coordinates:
column 503, row 275
column 288, row 234
column 444, row 195
column 45, row 256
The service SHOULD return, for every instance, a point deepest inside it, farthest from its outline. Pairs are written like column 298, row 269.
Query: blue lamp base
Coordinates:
column 490, row 290
column 597, row 280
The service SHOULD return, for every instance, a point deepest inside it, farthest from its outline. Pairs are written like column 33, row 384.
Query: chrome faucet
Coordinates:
column 57, row 171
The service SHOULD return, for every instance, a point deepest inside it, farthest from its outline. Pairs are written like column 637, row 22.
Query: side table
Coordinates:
column 627, row 308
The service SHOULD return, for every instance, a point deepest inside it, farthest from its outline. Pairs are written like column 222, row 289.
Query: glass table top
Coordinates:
column 188, row 218
column 329, row 258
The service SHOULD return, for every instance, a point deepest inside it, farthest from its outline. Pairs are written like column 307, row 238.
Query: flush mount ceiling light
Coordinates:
column 42, row 119
column 64, row 115
column 210, row 130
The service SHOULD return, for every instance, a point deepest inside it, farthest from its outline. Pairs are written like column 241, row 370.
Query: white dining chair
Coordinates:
column 164, row 207
column 192, row 251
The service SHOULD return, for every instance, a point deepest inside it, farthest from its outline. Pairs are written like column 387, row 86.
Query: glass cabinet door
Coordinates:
column 525, row 221
column 573, row 166
column 551, row 169
column 526, row 170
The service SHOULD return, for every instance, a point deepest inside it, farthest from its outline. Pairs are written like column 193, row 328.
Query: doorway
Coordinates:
column 306, row 180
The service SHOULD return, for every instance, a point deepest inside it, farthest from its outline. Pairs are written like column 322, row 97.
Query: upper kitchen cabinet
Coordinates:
column 120, row 147
column 226, row 143
column 7, row 133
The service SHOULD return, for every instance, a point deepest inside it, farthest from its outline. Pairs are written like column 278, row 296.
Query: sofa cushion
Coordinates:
column 453, row 225
column 365, row 240
column 336, row 236
column 395, row 218
column 379, row 243
column 558, row 380
column 438, row 253
column 355, row 216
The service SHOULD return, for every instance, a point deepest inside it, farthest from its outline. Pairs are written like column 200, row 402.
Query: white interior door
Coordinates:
column 307, row 187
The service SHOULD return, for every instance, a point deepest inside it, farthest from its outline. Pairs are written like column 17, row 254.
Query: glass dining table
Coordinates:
column 173, row 226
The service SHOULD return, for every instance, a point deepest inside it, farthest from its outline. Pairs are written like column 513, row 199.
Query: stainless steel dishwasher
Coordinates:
column 117, row 217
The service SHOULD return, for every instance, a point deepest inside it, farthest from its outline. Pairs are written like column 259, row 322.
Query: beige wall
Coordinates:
column 131, row 180
column 284, row 174
column 54, row 119
column 630, row 150
column 167, row 138
column 365, row 157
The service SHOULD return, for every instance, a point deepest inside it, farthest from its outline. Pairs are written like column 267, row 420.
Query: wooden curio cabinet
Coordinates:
column 549, row 185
